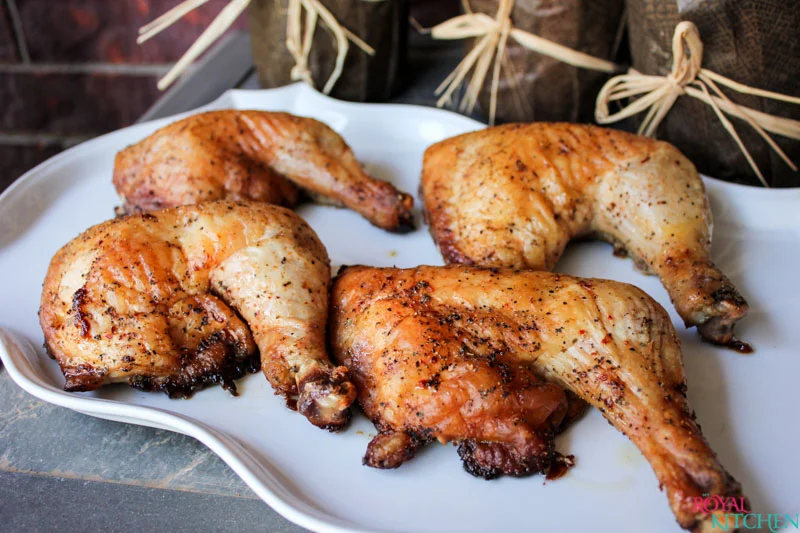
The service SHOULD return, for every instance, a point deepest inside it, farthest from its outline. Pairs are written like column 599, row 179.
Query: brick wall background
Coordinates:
column 71, row 69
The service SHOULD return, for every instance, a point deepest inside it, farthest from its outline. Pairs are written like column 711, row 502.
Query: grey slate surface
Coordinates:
column 40, row 503
column 64, row 471
column 37, row 437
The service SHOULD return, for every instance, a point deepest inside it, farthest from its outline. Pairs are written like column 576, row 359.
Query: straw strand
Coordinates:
column 299, row 39
column 492, row 36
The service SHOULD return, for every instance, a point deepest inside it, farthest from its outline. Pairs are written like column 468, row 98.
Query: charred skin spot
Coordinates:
column 79, row 301
column 490, row 460
column 325, row 397
column 727, row 293
column 217, row 361
column 83, row 378
column 560, row 466
column 405, row 223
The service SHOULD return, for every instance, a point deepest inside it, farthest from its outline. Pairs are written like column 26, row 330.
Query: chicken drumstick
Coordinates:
column 182, row 297
column 454, row 353
column 513, row 196
column 253, row 155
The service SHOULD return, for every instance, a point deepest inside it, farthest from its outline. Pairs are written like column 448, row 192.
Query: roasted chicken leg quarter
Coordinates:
column 253, row 155
column 457, row 354
column 513, row 196
column 187, row 296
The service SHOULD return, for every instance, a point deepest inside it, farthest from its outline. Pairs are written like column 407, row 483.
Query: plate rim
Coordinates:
column 13, row 346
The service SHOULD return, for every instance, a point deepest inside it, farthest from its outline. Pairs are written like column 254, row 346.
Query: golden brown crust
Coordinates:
column 180, row 298
column 458, row 353
column 390, row 449
column 515, row 195
column 446, row 394
column 253, row 155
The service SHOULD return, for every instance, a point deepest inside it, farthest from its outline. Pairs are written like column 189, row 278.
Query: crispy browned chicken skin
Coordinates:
column 452, row 353
column 253, row 155
column 513, row 196
column 182, row 297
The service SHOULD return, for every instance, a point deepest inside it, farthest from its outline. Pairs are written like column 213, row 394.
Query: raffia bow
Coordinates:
column 298, row 39
column 689, row 78
column 492, row 36
column 300, row 49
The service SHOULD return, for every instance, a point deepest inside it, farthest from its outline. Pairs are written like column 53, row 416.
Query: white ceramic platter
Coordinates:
column 747, row 405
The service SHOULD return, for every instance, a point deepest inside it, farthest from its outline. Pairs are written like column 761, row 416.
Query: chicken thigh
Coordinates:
column 513, row 196
column 253, row 155
column 457, row 354
column 179, row 298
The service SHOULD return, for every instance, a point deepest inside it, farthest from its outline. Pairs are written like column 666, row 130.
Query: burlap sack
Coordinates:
column 545, row 89
column 383, row 24
column 755, row 42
